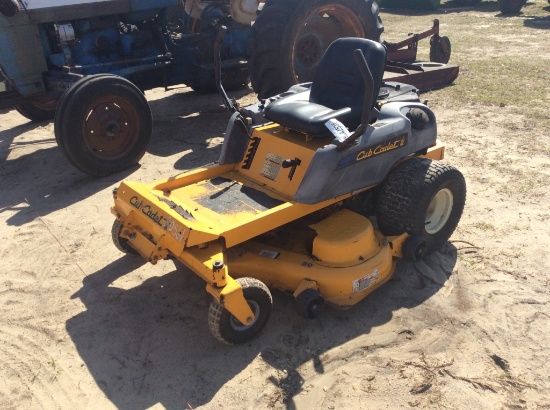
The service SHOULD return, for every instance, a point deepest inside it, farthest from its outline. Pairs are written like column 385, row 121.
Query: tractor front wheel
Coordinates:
column 103, row 124
column 424, row 198
column 227, row 329
column 289, row 38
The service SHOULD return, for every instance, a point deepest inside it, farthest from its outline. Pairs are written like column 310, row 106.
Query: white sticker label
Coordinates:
column 337, row 129
column 366, row 281
column 269, row 254
column 271, row 166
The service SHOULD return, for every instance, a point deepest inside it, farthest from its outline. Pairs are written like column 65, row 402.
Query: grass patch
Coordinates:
column 503, row 60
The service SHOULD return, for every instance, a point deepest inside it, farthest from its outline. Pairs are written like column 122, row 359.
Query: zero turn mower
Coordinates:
column 318, row 192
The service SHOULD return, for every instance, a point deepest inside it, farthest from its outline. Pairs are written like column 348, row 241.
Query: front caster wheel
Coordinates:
column 121, row 243
column 227, row 329
column 103, row 124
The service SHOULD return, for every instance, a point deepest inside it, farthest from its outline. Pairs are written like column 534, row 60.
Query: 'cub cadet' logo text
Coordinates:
column 173, row 228
column 380, row 149
column 374, row 150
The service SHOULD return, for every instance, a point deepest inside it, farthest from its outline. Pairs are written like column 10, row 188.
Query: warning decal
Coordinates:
column 271, row 166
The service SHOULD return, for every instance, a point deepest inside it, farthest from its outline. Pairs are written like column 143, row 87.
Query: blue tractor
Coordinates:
column 86, row 63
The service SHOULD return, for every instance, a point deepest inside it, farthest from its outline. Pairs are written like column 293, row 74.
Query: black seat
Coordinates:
column 337, row 90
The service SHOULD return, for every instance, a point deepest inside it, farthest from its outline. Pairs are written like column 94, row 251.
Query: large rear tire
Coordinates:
column 424, row 198
column 289, row 38
column 103, row 124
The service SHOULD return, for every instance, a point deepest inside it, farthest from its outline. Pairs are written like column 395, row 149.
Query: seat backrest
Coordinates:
column 338, row 82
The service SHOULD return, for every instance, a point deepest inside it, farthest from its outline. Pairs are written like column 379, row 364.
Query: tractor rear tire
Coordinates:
column 227, row 329
column 424, row 198
column 103, row 124
column 510, row 6
column 289, row 37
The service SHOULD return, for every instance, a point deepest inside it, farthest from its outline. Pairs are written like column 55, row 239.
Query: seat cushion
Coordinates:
column 340, row 90
column 305, row 116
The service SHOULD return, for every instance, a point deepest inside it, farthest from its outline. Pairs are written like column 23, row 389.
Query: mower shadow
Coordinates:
column 151, row 344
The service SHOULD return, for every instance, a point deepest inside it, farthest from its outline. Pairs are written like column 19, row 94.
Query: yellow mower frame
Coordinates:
column 268, row 218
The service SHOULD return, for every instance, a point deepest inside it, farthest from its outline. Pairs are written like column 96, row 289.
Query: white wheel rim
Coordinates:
column 439, row 211
column 238, row 326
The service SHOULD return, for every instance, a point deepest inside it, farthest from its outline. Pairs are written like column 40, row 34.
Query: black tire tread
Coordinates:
column 270, row 74
column 406, row 194
column 67, row 124
column 61, row 107
column 121, row 243
column 437, row 55
column 34, row 113
column 217, row 314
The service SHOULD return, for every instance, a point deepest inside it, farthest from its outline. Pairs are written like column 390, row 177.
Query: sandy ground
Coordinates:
column 83, row 326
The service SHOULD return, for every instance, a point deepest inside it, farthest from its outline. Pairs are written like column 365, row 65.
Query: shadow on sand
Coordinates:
column 159, row 350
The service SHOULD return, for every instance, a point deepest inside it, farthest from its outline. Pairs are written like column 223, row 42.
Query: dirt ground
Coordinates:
column 83, row 326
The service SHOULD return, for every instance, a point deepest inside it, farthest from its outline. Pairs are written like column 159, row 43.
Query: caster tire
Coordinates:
column 121, row 243
column 227, row 329
column 309, row 304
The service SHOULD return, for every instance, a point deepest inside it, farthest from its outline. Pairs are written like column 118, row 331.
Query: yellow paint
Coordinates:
column 231, row 297
column 346, row 261
column 345, row 239
column 290, row 269
column 277, row 144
